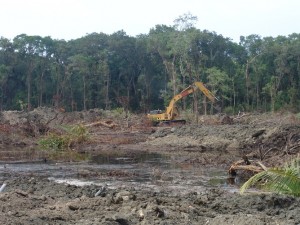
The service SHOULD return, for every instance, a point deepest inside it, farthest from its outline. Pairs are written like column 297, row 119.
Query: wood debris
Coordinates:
column 246, row 165
column 106, row 123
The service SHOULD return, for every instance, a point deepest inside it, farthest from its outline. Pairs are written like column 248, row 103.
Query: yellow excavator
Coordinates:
column 171, row 113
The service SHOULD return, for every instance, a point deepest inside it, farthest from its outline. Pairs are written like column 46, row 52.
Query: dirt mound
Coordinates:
column 268, row 137
column 217, row 139
column 272, row 139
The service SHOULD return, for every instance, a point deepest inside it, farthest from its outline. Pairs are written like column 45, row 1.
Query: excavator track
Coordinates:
column 171, row 123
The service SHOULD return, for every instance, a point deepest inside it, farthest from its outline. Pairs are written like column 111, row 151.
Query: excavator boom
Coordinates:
column 171, row 111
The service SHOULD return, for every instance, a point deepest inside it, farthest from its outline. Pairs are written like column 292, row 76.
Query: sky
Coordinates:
column 72, row 19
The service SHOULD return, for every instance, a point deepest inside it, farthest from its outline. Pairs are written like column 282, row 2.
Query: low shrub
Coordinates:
column 72, row 135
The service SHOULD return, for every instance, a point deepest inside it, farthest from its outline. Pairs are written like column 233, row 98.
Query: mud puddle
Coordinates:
column 147, row 171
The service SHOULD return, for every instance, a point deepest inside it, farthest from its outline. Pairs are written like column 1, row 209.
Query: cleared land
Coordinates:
column 215, row 142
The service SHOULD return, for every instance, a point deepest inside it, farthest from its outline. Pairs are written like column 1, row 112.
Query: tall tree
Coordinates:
column 220, row 85
column 79, row 64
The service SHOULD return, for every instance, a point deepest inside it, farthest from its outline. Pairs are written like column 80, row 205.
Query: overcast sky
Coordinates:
column 71, row 19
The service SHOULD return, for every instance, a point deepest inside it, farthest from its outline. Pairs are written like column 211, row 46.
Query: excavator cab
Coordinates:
column 157, row 111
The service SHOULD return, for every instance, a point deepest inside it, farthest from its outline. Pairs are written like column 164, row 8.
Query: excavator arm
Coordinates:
column 206, row 92
column 171, row 111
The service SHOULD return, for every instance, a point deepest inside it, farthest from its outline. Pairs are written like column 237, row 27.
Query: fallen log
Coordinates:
column 109, row 124
column 251, row 168
column 254, row 166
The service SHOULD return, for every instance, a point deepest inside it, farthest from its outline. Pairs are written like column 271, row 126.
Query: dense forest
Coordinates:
column 144, row 72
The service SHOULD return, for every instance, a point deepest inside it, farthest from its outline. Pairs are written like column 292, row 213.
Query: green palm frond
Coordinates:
column 284, row 180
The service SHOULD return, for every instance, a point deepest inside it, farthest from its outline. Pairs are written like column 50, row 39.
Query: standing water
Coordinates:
column 140, row 170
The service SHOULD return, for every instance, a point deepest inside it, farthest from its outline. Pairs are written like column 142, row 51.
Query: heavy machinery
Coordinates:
column 171, row 113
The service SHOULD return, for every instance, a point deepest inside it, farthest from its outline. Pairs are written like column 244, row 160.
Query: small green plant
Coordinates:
column 229, row 110
column 118, row 112
column 73, row 135
column 78, row 133
column 54, row 141
column 284, row 180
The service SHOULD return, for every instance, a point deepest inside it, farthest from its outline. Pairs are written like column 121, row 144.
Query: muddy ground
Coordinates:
column 216, row 141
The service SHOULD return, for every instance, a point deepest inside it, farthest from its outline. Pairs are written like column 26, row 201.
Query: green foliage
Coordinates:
column 73, row 135
column 219, row 81
column 284, row 180
column 118, row 111
column 281, row 100
column 55, row 142
column 78, row 133
column 188, row 115
column 95, row 71
column 228, row 110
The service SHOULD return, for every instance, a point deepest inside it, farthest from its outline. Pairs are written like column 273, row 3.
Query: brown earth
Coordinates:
column 216, row 141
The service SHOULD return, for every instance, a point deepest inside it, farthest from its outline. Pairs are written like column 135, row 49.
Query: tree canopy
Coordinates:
column 144, row 72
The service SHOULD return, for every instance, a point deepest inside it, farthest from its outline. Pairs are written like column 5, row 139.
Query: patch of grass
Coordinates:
column 54, row 141
column 72, row 135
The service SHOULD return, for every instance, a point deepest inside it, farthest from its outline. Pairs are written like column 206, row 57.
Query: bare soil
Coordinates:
column 216, row 141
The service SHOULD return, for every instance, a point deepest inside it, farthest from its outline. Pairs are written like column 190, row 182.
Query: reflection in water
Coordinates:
column 139, row 157
column 140, row 170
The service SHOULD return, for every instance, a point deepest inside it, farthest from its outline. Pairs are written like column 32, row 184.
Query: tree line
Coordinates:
column 144, row 72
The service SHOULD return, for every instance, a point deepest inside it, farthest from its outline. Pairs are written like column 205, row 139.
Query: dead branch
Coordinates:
column 109, row 124
column 262, row 165
column 289, row 145
column 50, row 120
column 251, row 168
column 269, row 150
column 255, row 166
column 294, row 147
column 239, row 116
